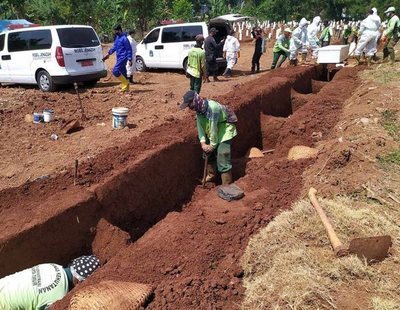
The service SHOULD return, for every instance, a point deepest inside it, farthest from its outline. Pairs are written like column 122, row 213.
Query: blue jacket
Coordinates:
column 122, row 47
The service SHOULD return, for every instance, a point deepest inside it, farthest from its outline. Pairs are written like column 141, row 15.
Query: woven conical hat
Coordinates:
column 111, row 295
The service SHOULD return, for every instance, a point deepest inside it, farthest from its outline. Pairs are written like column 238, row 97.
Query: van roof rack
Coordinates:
column 11, row 24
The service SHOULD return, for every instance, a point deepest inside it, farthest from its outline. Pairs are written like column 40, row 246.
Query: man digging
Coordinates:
column 216, row 129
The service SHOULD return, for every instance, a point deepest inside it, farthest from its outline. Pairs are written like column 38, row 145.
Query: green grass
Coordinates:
column 391, row 123
column 392, row 158
column 383, row 75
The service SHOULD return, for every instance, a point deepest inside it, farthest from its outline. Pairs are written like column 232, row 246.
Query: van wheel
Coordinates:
column 185, row 62
column 140, row 65
column 45, row 81
column 91, row 83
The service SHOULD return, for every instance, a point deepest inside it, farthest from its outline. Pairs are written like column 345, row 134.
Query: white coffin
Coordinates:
column 333, row 54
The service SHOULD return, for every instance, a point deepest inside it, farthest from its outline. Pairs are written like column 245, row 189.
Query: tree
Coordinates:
column 217, row 8
column 182, row 9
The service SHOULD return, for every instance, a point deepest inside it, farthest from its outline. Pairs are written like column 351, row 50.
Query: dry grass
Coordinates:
column 290, row 264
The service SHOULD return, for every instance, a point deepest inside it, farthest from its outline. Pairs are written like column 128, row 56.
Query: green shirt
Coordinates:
column 34, row 288
column 196, row 62
column 212, row 125
column 325, row 34
column 282, row 44
column 393, row 27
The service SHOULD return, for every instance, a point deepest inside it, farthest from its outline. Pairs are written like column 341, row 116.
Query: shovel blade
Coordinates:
column 373, row 249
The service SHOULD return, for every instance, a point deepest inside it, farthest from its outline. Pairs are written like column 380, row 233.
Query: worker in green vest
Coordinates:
column 196, row 65
column 38, row 287
column 216, row 127
column 390, row 36
column 281, row 48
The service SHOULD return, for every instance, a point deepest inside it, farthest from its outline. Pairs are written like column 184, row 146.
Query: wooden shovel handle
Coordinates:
column 203, row 183
column 338, row 247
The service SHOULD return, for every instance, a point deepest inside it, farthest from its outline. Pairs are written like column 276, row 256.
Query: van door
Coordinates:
column 27, row 49
column 81, row 50
column 171, row 47
column 149, row 49
column 4, row 58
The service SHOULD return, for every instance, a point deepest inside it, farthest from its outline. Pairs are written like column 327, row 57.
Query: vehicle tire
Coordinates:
column 140, row 65
column 45, row 81
column 90, row 83
column 185, row 62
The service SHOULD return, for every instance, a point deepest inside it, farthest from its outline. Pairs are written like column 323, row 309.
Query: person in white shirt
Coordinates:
column 312, row 34
column 231, row 53
column 131, row 69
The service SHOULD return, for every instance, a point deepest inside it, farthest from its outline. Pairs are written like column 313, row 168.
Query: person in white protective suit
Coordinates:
column 369, row 30
column 231, row 51
column 378, row 36
column 298, row 42
column 131, row 69
column 312, row 33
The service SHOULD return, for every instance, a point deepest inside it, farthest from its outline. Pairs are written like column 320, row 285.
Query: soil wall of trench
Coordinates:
column 137, row 185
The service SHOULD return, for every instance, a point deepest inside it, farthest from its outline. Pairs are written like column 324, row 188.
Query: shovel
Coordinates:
column 373, row 249
column 203, row 181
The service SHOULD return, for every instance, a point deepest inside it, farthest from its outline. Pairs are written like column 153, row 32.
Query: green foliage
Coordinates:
column 391, row 123
column 182, row 9
column 392, row 158
column 144, row 14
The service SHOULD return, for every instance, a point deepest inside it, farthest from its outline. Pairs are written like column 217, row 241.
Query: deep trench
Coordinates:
column 151, row 186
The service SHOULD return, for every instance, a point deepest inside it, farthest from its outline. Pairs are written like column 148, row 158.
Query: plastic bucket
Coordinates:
column 48, row 115
column 120, row 116
column 37, row 118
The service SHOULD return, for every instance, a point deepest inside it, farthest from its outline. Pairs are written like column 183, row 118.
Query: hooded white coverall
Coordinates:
column 378, row 35
column 369, row 30
column 299, row 39
column 312, row 33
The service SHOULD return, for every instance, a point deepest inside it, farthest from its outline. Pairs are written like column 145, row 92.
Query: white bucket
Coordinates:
column 120, row 116
column 48, row 115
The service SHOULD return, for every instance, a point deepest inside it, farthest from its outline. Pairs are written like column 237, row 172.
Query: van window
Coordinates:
column 29, row 40
column 2, row 39
column 190, row 32
column 171, row 35
column 78, row 37
column 153, row 36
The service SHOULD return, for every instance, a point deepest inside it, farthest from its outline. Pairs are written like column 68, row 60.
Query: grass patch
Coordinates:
column 391, row 123
column 392, row 158
column 290, row 263
column 383, row 74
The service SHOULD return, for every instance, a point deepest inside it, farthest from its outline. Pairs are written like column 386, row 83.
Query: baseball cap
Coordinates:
column 391, row 9
column 287, row 30
column 199, row 38
column 187, row 99
column 84, row 266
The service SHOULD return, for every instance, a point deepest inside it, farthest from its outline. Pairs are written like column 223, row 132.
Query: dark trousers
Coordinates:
column 277, row 55
column 195, row 84
column 211, row 66
column 255, row 62
column 388, row 49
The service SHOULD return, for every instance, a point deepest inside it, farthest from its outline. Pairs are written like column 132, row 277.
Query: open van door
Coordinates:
column 230, row 18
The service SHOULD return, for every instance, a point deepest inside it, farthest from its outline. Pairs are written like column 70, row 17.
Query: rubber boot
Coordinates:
column 211, row 172
column 392, row 57
column 124, row 83
column 293, row 62
column 131, row 80
column 375, row 58
column 253, row 70
column 303, row 58
column 226, row 178
column 369, row 59
column 358, row 59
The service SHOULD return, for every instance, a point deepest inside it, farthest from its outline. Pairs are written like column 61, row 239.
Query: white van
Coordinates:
column 168, row 46
column 52, row 55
